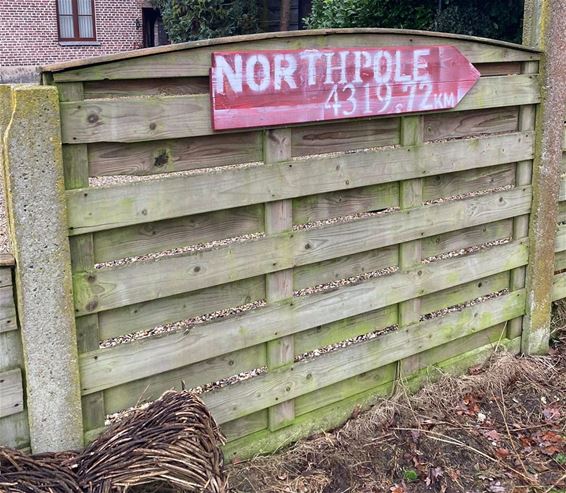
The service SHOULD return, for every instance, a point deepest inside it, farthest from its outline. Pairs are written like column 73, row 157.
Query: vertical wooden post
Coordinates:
column 410, row 253
column 279, row 285
column 545, row 28
column 38, row 228
column 75, row 165
column 523, row 176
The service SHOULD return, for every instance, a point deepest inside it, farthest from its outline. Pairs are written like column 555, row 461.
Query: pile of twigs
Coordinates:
column 42, row 473
column 173, row 444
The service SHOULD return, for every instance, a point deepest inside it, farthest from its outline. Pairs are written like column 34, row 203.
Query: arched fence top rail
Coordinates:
column 167, row 61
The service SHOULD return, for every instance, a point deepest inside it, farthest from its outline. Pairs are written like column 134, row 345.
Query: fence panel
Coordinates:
column 289, row 274
column 14, row 431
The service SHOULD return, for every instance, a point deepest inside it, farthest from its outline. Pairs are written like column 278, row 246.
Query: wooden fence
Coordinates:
column 13, row 417
column 559, row 287
column 413, row 214
column 290, row 274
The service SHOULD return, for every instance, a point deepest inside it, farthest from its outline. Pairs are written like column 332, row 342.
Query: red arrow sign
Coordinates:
column 269, row 87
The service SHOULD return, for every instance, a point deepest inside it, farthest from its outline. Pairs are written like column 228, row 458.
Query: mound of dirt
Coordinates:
column 501, row 428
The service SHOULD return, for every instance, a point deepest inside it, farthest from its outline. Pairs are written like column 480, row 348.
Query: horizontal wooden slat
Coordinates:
column 11, row 392
column 166, row 156
column 562, row 195
column 145, row 238
column 503, row 68
column 465, row 292
column 14, row 431
column 340, row 137
column 96, row 209
column 470, row 123
column 195, row 59
column 7, row 260
column 559, row 287
column 274, row 387
column 560, row 242
column 429, row 359
column 245, row 426
column 345, row 388
column 105, row 289
column 560, row 261
column 344, row 267
column 146, row 87
column 452, row 184
column 5, row 276
column 344, row 202
column 456, row 240
column 144, row 316
column 347, row 328
column 106, row 368
column 209, row 371
column 171, row 117
column 7, row 309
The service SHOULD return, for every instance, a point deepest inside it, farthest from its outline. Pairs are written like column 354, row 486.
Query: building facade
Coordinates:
column 39, row 32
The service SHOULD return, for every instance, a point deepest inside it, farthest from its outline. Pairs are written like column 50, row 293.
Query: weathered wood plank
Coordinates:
column 7, row 260
column 14, row 431
column 8, row 319
column 410, row 198
column 245, row 426
column 212, row 370
column 11, row 392
column 341, row 137
column 560, row 241
column 100, row 290
column 344, row 202
column 279, row 285
column 194, row 59
column 470, row 123
column 6, row 276
column 503, row 68
column 120, row 364
column 460, row 346
column 347, row 328
column 466, row 292
column 560, row 261
column 559, row 287
column 344, row 267
column 112, row 207
column 160, row 311
column 346, row 388
column 171, row 117
column 178, row 86
column 454, row 184
column 141, row 239
column 278, row 386
column 166, row 156
column 75, row 167
column 467, row 237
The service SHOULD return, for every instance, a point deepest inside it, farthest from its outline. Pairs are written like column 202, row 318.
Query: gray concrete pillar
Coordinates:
column 35, row 193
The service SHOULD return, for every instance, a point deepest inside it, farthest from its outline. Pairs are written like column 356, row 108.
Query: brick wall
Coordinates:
column 29, row 36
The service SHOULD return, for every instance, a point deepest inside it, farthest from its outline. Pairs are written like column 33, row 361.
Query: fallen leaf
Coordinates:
column 502, row 452
column 397, row 489
column 493, row 435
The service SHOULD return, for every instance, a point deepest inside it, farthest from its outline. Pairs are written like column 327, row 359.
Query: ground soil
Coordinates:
column 499, row 429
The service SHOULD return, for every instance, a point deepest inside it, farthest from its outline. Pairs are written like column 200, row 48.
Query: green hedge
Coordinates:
column 499, row 19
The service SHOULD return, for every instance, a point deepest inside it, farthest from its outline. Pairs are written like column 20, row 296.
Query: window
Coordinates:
column 76, row 20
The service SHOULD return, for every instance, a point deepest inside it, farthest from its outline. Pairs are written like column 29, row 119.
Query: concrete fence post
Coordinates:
column 33, row 169
column 545, row 28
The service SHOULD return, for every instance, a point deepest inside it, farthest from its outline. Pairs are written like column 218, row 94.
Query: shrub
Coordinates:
column 189, row 20
column 499, row 19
